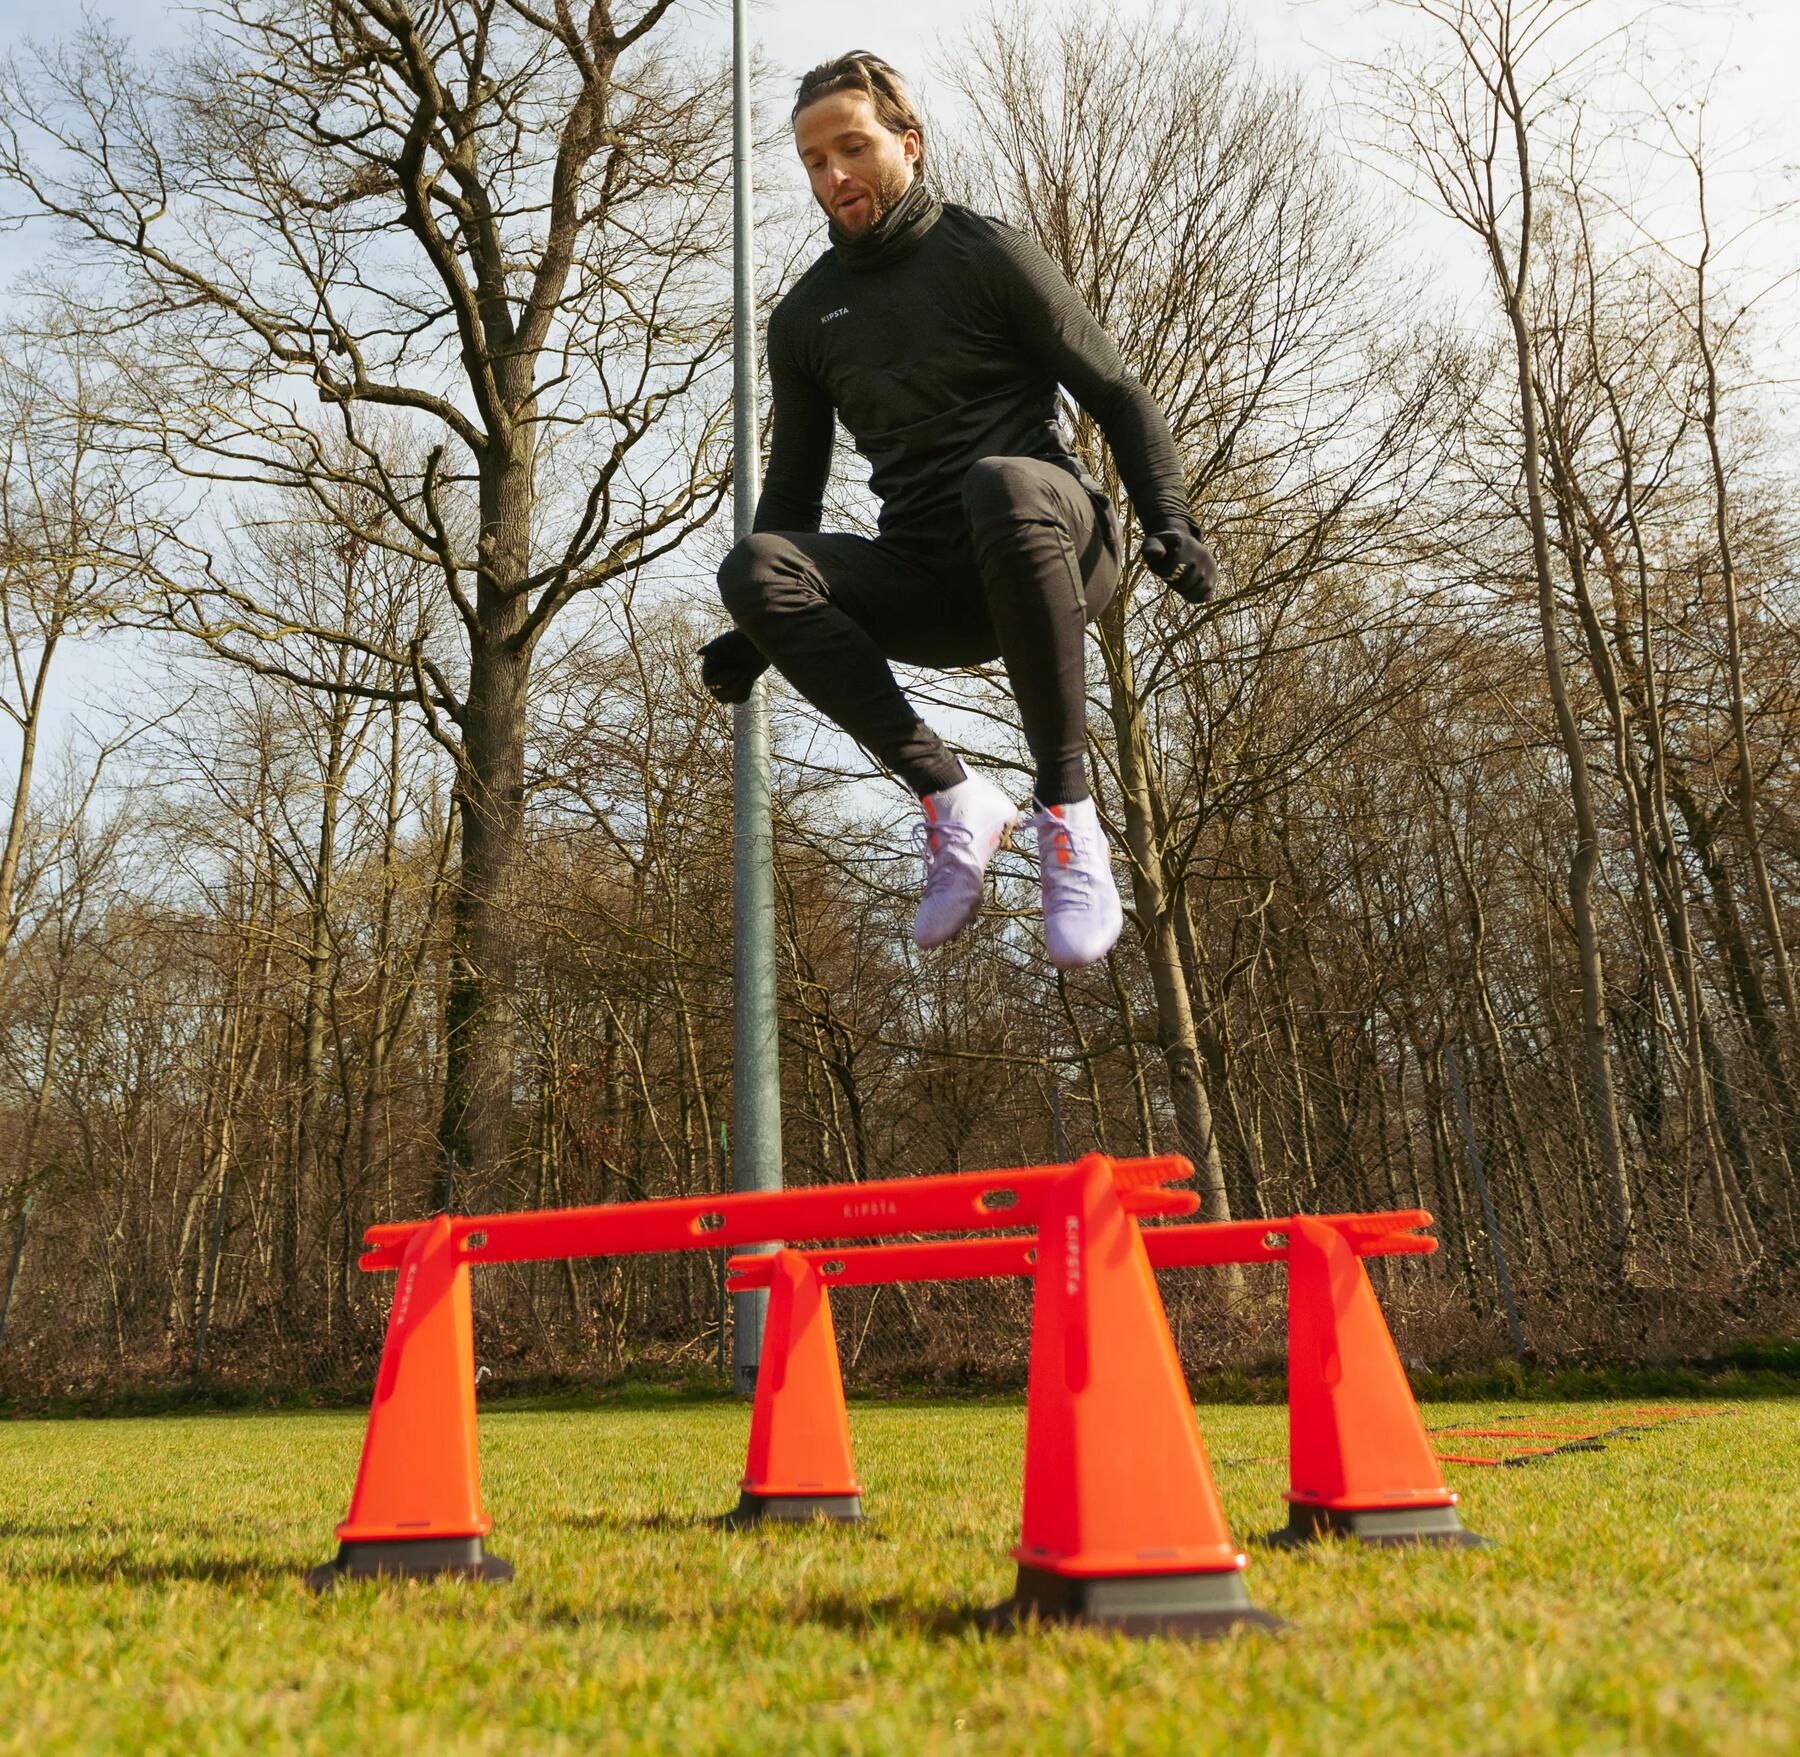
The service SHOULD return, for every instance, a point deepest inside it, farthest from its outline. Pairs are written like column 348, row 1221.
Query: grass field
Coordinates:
column 1642, row 1599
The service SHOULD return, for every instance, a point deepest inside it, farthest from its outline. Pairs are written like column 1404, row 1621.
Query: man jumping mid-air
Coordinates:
column 939, row 337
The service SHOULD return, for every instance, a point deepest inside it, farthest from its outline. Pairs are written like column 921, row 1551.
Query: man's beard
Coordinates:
column 889, row 186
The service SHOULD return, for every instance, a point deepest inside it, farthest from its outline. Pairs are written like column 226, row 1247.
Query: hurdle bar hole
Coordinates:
column 1275, row 1241
column 1031, row 1254
column 474, row 1241
column 994, row 1201
column 834, row 1267
column 710, row 1222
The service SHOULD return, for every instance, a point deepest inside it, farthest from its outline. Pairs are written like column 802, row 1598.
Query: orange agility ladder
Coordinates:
column 1609, row 1424
column 1360, row 1463
column 417, row 1504
column 1122, row 1524
column 800, row 1464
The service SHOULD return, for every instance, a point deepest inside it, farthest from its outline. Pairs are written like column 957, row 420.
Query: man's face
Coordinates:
column 857, row 169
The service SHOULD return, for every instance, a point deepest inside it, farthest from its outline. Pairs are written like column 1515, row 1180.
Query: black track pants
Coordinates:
column 1034, row 558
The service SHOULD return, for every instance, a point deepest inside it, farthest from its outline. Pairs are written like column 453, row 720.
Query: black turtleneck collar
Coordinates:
column 898, row 233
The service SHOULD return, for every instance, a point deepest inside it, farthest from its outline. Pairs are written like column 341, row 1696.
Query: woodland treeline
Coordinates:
column 369, row 416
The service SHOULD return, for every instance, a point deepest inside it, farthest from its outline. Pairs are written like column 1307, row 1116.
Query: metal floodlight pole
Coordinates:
column 756, row 1071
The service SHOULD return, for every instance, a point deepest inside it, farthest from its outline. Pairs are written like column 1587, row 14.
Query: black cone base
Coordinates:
column 421, row 1557
column 754, row 1509
column 1193, row 1606
column 1387, row 1527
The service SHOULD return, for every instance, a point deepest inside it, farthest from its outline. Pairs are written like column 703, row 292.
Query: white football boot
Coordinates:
column 1082, row 911
column 963, row 826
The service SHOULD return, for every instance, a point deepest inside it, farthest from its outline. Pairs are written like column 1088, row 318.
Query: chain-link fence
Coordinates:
column 233, row 1284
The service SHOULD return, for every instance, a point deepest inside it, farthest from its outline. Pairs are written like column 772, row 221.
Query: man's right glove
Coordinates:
column 730, row 665
column 1180, row 558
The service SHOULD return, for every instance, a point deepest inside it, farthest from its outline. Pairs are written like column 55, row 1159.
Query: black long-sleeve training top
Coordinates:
column 938, row 342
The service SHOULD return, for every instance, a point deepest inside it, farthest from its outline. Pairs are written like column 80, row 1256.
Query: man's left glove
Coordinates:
column 1180, row 558
column 730, row 665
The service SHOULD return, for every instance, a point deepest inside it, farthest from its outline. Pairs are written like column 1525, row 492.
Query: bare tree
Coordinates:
column 65, row 530
column 1209, row 233
column 85, row 846
column 1462, row 116
column 491, row 228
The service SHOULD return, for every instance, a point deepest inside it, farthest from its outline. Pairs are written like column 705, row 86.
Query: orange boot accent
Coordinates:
column 800, row 1464
column 1122, row 1524
column 1360, row 1463
column 417, row 1504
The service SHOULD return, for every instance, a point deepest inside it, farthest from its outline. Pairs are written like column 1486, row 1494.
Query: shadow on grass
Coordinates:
column 590, row 1613
column 630, row 1522
column 131, row 1570
column 626, row 1523
column 78, row 1530
column 843, row 1612
column 859, row 1616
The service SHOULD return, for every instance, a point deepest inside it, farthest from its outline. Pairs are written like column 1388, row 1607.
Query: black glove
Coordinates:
column 1179, row 557
column 730, row 666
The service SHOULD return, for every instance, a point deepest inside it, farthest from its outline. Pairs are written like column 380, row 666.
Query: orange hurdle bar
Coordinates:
column 966, row 1201
column 1360, row 1463
column 1120, row 1523
column 800, row 1464
column 1169, row 1247
column 417, row 1507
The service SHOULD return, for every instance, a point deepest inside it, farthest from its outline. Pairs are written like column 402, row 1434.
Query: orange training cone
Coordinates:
column 1359, row 1461
column 417, row 1505
column 1122, row 1524
column 800, row 1464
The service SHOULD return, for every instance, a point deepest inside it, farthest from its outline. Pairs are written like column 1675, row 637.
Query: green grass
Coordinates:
column 1640, row 1599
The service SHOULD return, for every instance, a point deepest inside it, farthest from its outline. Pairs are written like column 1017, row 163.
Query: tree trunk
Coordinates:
column 312, row 1019
column 1140, row 1087
column 1745, row 790
column 30, row 719
column 1156, row 915
column 1585, row 856
column 475, row 1124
